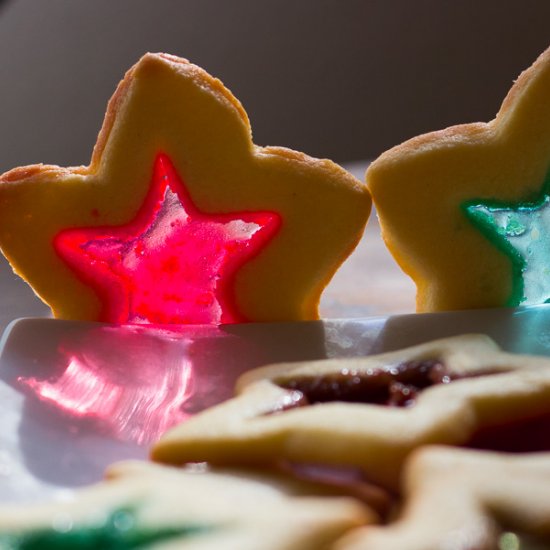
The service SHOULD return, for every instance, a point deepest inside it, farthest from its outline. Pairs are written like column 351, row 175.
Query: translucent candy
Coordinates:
column 523, row 233
column 172, row 263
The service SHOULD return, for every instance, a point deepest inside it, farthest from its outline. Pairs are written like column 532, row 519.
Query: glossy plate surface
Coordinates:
column 75, row 397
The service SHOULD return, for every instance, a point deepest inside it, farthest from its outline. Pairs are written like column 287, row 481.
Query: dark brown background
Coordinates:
column 344, row 79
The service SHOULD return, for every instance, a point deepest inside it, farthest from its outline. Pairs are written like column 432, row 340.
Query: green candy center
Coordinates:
column 522, row 232
column 119, row 532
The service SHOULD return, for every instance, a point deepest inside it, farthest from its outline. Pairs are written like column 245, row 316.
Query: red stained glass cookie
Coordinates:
column 180, row 218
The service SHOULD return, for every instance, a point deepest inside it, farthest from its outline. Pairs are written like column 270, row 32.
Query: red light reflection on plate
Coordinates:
column 133, row 385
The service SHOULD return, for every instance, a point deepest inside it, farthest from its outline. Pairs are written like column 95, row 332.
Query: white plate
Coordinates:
column 75, row 397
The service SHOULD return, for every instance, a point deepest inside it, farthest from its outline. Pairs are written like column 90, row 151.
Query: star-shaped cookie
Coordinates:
column 370, row 413
column 142, row 505
column 461, row 208
column 462, row 500
column 252, row 233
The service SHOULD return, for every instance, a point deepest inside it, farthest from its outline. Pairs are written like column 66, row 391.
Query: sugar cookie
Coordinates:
column 372, row 412
column 145, row 505
column 465, row 499
column 180, row 218
column 465, row 210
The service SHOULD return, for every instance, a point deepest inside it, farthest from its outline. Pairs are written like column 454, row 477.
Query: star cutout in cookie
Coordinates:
column 424, row 188
column 521, row 231
column 172, row 263
column 168, row 106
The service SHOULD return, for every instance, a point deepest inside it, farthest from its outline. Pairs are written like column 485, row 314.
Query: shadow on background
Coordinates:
column 345, row 80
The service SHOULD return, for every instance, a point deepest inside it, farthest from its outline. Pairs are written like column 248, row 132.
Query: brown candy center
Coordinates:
column 392, row 385
column 399, row 386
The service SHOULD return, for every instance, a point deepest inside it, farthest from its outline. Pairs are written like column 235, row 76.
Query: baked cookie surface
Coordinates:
column 372, row 412
column 142, row 505
column 464, row 210
column 180, row 218
column 462, row 500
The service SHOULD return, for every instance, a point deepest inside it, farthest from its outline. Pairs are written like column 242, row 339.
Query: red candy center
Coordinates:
column 172, row 263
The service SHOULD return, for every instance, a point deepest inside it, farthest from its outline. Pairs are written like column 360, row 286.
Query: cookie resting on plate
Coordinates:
column 142, row 505
column 180, row 217
column 465, row 210
column 463, row 500
column 371, row 412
